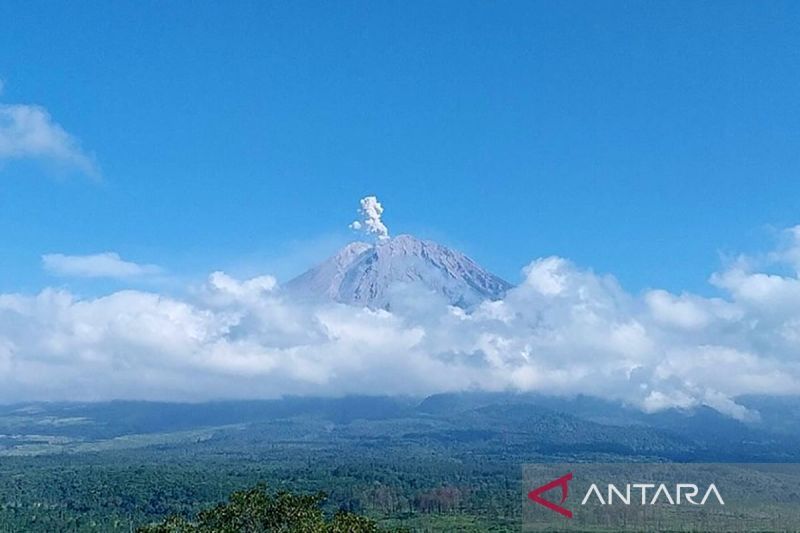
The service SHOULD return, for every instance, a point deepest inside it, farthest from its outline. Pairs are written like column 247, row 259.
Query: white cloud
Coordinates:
column 563, row 330
column 29, row 132
column 221, row 283
column 688, row 311
column 544, row 275
column 103, row 265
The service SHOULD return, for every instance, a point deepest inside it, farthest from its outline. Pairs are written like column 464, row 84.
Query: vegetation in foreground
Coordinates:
column 258, row 511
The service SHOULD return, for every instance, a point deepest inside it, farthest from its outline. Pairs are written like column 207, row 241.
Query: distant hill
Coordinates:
column 502, row 422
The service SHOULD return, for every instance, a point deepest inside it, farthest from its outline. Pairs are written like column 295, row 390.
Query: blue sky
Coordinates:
column 641, row 139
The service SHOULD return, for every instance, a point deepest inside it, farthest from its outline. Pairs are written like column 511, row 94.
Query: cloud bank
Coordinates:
column 29, row 132
column 562, row 330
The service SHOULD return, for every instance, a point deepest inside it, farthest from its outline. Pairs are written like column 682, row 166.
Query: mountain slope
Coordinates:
column 362, row 274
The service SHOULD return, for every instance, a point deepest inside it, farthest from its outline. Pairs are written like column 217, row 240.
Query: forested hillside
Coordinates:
column 445, row 462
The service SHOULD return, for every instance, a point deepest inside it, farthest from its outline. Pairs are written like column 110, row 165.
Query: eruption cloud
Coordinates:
column 370, row 218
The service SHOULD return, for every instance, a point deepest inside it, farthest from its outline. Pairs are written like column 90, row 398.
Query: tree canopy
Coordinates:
column 258, row 510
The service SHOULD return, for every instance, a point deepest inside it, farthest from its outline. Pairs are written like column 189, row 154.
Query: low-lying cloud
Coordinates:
column 562, row 330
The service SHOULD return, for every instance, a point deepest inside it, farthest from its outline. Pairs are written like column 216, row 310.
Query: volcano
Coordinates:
column 365, row 274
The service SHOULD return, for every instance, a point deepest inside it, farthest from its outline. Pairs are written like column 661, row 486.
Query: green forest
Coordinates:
column 444, row 463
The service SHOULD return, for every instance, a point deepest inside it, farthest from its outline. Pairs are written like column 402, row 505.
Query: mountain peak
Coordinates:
column 363, row 274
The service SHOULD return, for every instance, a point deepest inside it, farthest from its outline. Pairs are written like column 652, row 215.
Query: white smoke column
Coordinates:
column 371, row 211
